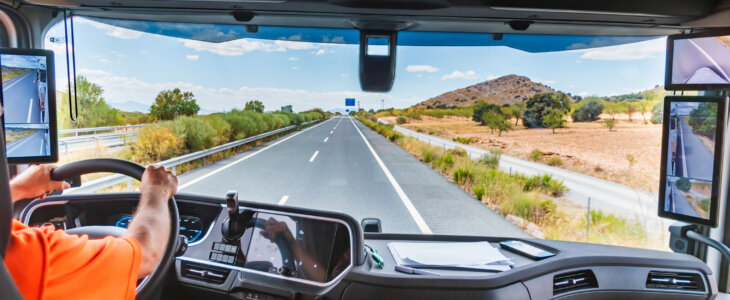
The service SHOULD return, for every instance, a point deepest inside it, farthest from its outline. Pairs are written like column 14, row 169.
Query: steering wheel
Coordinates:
column 287, row 257
column 148, row 286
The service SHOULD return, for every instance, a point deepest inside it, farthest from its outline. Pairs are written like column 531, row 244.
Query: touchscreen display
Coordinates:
column 26, row 109
column 700, row 61
column 692, row 135
column 310, row 249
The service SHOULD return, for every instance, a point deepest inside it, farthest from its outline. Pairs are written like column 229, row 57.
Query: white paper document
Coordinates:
column 476, row 255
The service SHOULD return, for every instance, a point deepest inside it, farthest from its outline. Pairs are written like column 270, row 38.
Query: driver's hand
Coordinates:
column 157, row 180
column 274, row 229
column 35, row 182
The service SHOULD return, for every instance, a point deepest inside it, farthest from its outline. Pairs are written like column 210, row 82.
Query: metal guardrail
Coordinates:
column 108, row 181
column 65, row 141
column 97, row 129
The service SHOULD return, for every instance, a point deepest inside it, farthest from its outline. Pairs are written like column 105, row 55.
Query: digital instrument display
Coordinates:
column 29, row 105
column 698, row 62
column 310, row 249
column 691, row 149
column 190, row 227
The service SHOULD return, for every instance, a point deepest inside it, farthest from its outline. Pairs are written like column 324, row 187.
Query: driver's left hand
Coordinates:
column 35, row 182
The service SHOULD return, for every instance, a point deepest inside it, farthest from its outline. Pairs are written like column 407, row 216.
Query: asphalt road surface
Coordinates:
column 20, row 97
column 341, row 165
column 35, row 144
column 694, row 155
column 680, row 204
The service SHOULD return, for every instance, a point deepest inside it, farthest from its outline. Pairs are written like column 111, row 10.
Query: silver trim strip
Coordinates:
column 32, row 207
column 210, row 229
column 304, row 281
column 576, row 11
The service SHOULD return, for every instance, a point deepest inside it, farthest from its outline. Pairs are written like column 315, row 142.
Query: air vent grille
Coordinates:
column 203, row 272
column 675, row 281
column 566, row 282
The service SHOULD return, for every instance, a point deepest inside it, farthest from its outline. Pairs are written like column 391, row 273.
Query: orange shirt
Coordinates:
column 51, row 264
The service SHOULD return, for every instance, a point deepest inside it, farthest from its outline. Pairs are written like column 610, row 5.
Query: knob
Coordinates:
column 232, row 203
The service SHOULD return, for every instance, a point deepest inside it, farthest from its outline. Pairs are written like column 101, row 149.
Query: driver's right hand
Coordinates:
column 157, row 180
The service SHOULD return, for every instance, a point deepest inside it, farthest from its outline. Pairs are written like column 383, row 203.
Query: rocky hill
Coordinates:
column 503, row 90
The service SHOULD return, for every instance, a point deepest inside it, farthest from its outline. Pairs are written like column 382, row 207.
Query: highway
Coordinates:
column 341, row 165
column 693, row 155
column 34, row 144
column 26, row 109
column 680, row 204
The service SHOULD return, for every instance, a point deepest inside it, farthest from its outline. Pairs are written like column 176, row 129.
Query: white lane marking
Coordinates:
column 685, row 172
column 325, row 139
column 283, row 199
column 403, row 197
column 19, row 80
column 332, row 131
column 242, row 159
column 43, row 141
column 30, row 109
column 714, row 63
column 314, row 156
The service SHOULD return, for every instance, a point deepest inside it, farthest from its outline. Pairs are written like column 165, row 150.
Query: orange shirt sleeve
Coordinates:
column 51, row 264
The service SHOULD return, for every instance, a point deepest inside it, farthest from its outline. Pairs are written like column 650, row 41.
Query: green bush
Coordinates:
column 588, row 111
column 657, row 113
column 401, row 120
column 462, row 176
column 456, row 151
column 221, row 127
column 544, row 183
column 394, row 136
column 684, row 184
column 463, row 140
column 443, row 162
column 478, row 191
column 531, row 208
column 428, row 154
column 196, row 132
column 154, row 144
column 491, row 158
column 555, row 161
column 536, row 155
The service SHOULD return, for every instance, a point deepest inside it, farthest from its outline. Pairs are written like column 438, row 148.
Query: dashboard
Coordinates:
column 292, row 253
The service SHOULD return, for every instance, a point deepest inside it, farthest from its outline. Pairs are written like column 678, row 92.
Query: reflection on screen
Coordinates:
column 25, row 105
column 704, row 60
column 690, row 158
column 298, row 247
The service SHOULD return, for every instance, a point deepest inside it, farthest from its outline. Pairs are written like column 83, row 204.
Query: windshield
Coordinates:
column 471, row 140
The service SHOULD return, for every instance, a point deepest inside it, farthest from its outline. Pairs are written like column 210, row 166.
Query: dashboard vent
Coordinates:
column 675, row 281
column 203, row 272
column 573, row 281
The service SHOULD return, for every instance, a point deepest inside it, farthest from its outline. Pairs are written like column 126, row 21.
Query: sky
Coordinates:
column 135, row 66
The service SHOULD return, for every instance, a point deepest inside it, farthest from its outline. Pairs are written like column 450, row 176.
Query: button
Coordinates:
column 231, row 259
column 216, row 246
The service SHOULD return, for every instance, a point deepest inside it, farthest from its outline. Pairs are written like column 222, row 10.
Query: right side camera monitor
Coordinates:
column 691, row 152
column 698, row 61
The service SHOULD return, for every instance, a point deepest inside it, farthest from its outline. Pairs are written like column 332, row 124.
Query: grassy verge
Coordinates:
column 535, row 199
column 10, row 73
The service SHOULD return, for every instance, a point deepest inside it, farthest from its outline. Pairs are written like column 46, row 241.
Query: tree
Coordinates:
column 255, row 106
column 611, row 108
column 684, row 184
column 644, row 107
column 630, row 108
column 517, row 110
column 93, row 109
column 657, row 112
column 480, row 108
column 609, row 123
column 495, row 120
column 554, row 120
column 589, row 111
column 542, row 104
column 172, row 103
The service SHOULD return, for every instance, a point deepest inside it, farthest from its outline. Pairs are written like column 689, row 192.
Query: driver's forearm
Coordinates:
column 151, row 227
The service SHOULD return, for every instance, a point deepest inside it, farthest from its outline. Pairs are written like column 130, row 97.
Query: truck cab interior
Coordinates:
column 218, row 246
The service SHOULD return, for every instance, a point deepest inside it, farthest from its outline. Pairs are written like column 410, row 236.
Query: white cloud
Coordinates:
column 114, row 31
column 344, row 75
column 319, row 52
column 293, row 58
column 633, row 51
column 492, row 76
column 104, row 60
column 584, row 94
column 121, row 89
column 192, row 57
column 295, row 68
column 421, row 68
column 460, row 75
column 243, row 46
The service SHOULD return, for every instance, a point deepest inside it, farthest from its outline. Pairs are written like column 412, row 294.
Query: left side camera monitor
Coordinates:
column 29, row 105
